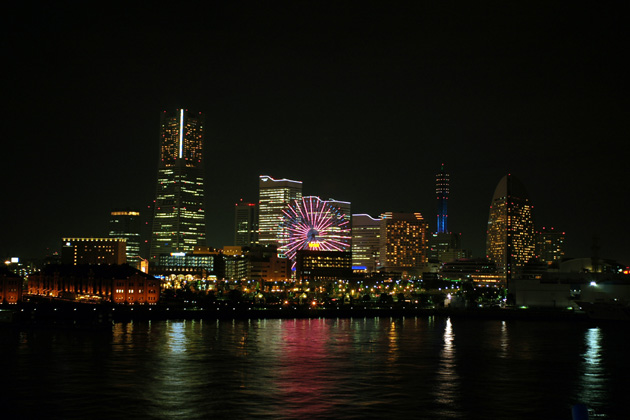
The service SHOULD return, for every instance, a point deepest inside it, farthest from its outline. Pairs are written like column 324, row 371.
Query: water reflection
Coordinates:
column 176, row 337
column 302, row 376
column 592, row 387
column 173, row 386
column 504, row 342
column 447, row 390
column 393, row 337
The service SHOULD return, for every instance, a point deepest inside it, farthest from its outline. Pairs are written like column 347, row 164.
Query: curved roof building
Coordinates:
column 510, row 239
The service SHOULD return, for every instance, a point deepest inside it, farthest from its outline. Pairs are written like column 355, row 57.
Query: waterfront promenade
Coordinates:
column 60, row 312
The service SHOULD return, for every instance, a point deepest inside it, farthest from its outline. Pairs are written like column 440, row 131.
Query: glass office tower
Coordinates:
column 179, row 218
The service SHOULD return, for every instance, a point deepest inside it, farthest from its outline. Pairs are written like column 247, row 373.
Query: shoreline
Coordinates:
column 60, row 313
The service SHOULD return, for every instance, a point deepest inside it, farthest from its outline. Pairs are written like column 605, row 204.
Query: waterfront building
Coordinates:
column 323, row 266
column 550, row 246
column 126, row 224
column 11, row 286
column 179, row 217
column 442, row 191
column 200, row 263
column 245, row 223
column 510, row 242
column 110, row 283
column 275, row 195
column 478, row 270
column 366, row 237
column 266, row 267
column 403, row 245
column 78, row 251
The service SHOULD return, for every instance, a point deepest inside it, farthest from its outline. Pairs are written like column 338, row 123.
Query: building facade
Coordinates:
column 111, row 283
column 11, row 286
column 442, row 246
column 245, row 223
column 179, row 217
column 78, row 251
column 200, row 263
column 126, row 224
column 510, row 242
column 404, row 242
column 550, row 246
column 323, row 266
column 275, row 195
column 366, row 237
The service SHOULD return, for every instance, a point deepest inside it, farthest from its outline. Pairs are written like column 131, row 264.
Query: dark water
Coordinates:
column 380, row 368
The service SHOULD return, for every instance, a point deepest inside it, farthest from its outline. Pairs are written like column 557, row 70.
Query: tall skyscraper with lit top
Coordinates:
column 441, row 191
column 511, row 237
column 179, row 218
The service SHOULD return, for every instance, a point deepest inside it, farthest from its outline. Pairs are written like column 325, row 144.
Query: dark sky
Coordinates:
column 362, row 101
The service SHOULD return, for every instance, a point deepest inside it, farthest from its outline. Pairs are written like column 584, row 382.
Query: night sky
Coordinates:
column 362, row 101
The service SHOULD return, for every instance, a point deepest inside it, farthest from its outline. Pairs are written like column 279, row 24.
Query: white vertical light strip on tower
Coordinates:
column 181, row 133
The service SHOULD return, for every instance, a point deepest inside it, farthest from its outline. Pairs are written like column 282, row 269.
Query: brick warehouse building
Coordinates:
column 112, row 283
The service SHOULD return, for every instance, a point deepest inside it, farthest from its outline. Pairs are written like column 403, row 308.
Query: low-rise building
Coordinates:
column 110, row 283
column 11, row 286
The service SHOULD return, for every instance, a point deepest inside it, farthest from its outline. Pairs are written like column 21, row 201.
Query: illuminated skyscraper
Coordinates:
column 510, row 242
column 403, row 242
column 550, row 246
column 179, row 218
column 441, row 191
column 245, row 223
column 275, row 195
column 126, row 224
column 366, row 235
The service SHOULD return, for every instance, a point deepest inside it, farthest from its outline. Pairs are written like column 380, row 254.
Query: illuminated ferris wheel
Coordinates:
column 313, row 224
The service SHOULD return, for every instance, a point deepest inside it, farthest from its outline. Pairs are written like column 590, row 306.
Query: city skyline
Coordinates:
column 361, row 104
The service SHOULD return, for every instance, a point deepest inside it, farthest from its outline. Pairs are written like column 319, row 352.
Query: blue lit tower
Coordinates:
column 179, row 219
column 441, row 191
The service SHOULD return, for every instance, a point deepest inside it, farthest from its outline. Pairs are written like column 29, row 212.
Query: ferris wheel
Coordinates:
column 313, row 224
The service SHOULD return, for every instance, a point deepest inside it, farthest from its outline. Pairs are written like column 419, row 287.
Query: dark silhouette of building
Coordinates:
column 245, row 223
column 10, row 286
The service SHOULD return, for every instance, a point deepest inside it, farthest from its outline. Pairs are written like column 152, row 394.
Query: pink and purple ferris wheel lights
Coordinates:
column 313, row 224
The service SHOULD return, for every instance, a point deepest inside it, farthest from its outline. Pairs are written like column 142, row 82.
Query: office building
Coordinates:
column 245, row 223
column 510, row 240
column 443, row 245
column 275, row 195
column 179, row 218
column 200, row 263
column 366, row 237
column 323, row 266
column 80, row 251
column 404, row 241
column 550, row 246
column 126, row 224
column 477, row 270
